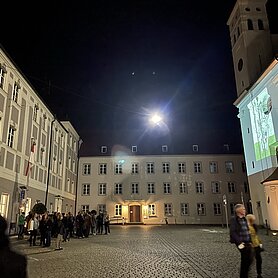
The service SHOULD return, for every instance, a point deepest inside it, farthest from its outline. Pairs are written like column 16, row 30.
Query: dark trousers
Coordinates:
column 33, row 237
column 47, row 238
column 20, row 231
column 107, row 228
column 247, row 255
column 258, row 259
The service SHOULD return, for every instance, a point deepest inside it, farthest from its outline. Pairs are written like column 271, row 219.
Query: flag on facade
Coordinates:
column 31, row 160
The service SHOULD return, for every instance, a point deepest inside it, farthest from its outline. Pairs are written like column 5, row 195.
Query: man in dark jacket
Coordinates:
column 12, row 264
column 239, row 234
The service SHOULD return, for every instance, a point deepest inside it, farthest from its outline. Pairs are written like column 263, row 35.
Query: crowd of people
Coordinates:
column 61, row 226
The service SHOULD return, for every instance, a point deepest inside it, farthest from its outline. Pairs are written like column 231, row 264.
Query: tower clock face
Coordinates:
column 240, row 64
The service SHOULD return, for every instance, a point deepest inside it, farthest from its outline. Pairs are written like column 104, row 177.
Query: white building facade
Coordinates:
column 182, row 189
column 38, row 153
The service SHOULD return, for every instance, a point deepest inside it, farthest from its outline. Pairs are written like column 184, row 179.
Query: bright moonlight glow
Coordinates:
column 156, row 119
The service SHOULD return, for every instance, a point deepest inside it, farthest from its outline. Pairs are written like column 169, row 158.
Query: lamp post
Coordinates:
column 225, row 207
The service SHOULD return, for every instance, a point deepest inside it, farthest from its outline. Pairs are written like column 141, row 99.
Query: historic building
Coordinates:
column 155, row 189
column 256, row 74
column 38, row 153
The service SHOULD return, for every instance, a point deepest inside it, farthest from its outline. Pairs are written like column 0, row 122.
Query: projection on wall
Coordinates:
column 262, row 124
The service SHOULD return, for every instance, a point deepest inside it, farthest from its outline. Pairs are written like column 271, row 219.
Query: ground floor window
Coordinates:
column 101, row 207
column 151, row 210
column 168, row 210
column 118, row 210
column 217, row 209
column 85, row 208
column 4, row 204
column 184, row 209
column 201, row 209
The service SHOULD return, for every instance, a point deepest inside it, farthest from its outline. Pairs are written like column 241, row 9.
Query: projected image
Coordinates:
column 262, row 124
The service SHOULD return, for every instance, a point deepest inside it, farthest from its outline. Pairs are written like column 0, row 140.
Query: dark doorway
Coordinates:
column 134, row 214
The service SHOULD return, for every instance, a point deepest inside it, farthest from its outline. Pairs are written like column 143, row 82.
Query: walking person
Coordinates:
column 12, row 264
column 21, row 222
column 239, row 235
column 256, row 242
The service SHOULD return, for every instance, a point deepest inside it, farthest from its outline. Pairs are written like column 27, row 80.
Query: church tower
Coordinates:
column 251, row 41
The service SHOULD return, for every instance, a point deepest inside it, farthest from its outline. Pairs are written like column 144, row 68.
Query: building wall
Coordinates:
column 25, row 119
column 141, row 201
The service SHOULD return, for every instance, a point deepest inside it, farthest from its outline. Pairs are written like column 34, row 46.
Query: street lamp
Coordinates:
column 226, row 211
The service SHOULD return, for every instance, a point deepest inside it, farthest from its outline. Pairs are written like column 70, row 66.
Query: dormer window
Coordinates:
column 103, row 149
column 195, row 148
column 134, row 149
column 164, row 148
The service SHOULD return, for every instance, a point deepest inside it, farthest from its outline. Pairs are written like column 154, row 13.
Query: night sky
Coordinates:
column 106, row 65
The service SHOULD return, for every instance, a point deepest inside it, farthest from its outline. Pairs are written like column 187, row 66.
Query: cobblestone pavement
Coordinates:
column 147, row 251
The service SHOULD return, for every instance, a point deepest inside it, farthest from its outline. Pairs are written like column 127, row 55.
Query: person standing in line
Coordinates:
column 256, row 242
column 12, row 264
column 48, row 230
column 21, row 222
column 60, row 231
column 239, row 235
column 106, row 223
column 93, row 222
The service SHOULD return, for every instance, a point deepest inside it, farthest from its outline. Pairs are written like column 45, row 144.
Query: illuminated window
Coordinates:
column 118, row 210
column 151, row 210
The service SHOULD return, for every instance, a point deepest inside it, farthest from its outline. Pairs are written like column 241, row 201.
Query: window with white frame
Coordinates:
column 199, row 187
column 164, row 148
column 4, row 205
column 103, row 149
column 226, row 147
column 15, row 92
column 68, row 185
column 229, row 166
column 11, row 137
column 102, row 168
column 195, row 148
column 35, row 112
column 243, row 167
column 85, row 208
column 151, row 189
column 118, row 168
column 213, row 167
column 101, row 207
column 217, row 209
column 102, row 189
column 197, row 167
column 201, row 209
column 151, row 210
column 166, row 167
column 118, row 188
column 183, row 188
column 134, row 149
column 184, row 209
column 134, row 168
column 231, row 187
column 86, row 189
column 134, row 188
column 150, row 167
column 168, row 209
column 87, row 169
column 2, row 76
column 167, row 188
column 118, row 210
column 182, row 167
column 215, row 187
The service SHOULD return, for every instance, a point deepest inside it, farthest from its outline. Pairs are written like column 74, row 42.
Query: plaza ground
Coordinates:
column 166, row 251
